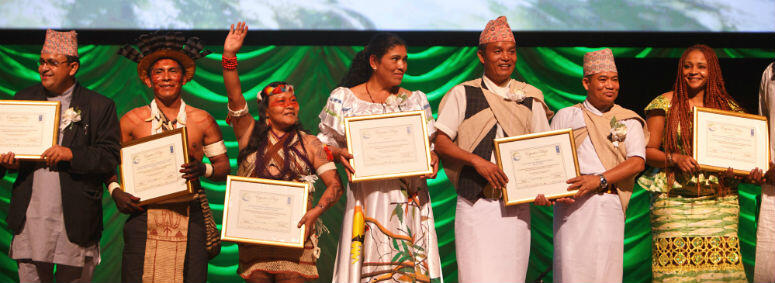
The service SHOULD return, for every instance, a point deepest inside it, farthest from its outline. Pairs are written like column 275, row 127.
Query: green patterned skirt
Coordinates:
column 695, row 239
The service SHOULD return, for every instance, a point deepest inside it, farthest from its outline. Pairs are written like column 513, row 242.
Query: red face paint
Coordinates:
column 279, row 101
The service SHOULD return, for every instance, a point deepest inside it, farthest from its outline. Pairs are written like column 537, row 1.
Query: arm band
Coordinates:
column 112, row 187
column 325, row 167
column 215, row 149
column 238, row 113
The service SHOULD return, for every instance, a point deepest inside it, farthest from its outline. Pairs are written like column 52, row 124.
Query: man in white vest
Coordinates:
column 611, row 151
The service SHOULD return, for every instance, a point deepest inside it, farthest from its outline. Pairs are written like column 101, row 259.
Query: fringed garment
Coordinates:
column 282, row 158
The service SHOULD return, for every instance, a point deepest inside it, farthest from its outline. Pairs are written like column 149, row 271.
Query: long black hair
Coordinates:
column 258, row 138
column 360, row 70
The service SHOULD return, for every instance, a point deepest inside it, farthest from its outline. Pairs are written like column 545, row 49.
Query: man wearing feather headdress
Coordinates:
column 171, row 241
column 55, row 210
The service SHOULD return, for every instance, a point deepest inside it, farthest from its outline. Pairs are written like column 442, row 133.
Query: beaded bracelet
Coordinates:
column 229, row 64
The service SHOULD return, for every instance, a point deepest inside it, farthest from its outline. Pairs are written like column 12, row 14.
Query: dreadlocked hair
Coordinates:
column 259, row 136
column 679, row 115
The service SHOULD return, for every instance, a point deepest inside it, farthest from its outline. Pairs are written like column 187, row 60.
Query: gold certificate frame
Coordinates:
column 263, row 211
column 28, row 127
column 150, row 167
column 724, row 139
column 388, row 146
column 538, row 163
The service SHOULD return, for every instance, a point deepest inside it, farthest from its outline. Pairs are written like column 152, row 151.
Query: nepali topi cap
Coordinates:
column 497, row 30
column 599, row 61
column 64, row 43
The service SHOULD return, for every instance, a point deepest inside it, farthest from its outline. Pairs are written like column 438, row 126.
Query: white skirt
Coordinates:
column 589, row 240
column 492, row 242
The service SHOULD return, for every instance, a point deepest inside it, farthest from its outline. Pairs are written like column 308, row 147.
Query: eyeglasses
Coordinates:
column 51, row 62
column 269, row 90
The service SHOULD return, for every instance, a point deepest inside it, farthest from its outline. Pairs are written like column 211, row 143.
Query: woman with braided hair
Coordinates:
column 276, row 147
column 694, row 213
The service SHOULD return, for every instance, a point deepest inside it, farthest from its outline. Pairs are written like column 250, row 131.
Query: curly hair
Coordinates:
column 258, row 138
column 679, row 116
column 360, row 71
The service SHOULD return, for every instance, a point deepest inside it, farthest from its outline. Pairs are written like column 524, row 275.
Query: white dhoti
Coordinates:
column 492, row 242
column 589, row 240
column 765, row 237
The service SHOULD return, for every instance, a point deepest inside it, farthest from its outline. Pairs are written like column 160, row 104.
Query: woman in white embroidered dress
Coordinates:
column 399, row 242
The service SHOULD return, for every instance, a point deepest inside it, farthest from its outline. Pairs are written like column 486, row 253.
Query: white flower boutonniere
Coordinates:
column 618, row 131
column 396, row 100
column 517, row 96
column 72, row 115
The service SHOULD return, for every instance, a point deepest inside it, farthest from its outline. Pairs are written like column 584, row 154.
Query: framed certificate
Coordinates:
column 536, row 164
column 28, row 127
column 150, row 166
column 724, row 139
column 388, row 146
column 264, row 211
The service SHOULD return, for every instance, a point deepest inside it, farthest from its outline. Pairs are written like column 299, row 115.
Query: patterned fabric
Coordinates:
column 399, row 238
column 273, row 164
column 694, row 231
column 599, row 61
column 496, row 30
column 695, row 239
column 283, row 158
column 65, row 43
column 165, row 251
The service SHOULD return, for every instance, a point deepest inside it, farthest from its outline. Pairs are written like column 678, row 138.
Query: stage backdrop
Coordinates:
column 315, row 71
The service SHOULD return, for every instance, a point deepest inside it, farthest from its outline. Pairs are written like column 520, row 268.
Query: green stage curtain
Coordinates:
column 315, row 71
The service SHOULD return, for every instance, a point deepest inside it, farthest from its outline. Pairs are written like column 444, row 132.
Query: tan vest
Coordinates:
column 514, row 120
column 598, row 129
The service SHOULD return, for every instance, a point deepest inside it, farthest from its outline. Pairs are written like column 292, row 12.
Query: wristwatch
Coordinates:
column 603, row 182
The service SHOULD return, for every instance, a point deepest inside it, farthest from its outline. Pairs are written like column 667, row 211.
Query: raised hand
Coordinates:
column 234, row 39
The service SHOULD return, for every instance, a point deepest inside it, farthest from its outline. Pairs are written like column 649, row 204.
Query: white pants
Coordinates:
column 35, row 271
column 589, row 240
column 765, row 237
column 492, row 242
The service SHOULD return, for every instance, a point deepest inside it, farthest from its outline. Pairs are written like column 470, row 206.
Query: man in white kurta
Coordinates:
column 589, row 229
column 765, row 234
column 492, row 241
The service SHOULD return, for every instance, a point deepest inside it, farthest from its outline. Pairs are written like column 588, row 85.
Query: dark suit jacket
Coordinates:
column 95, row 143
